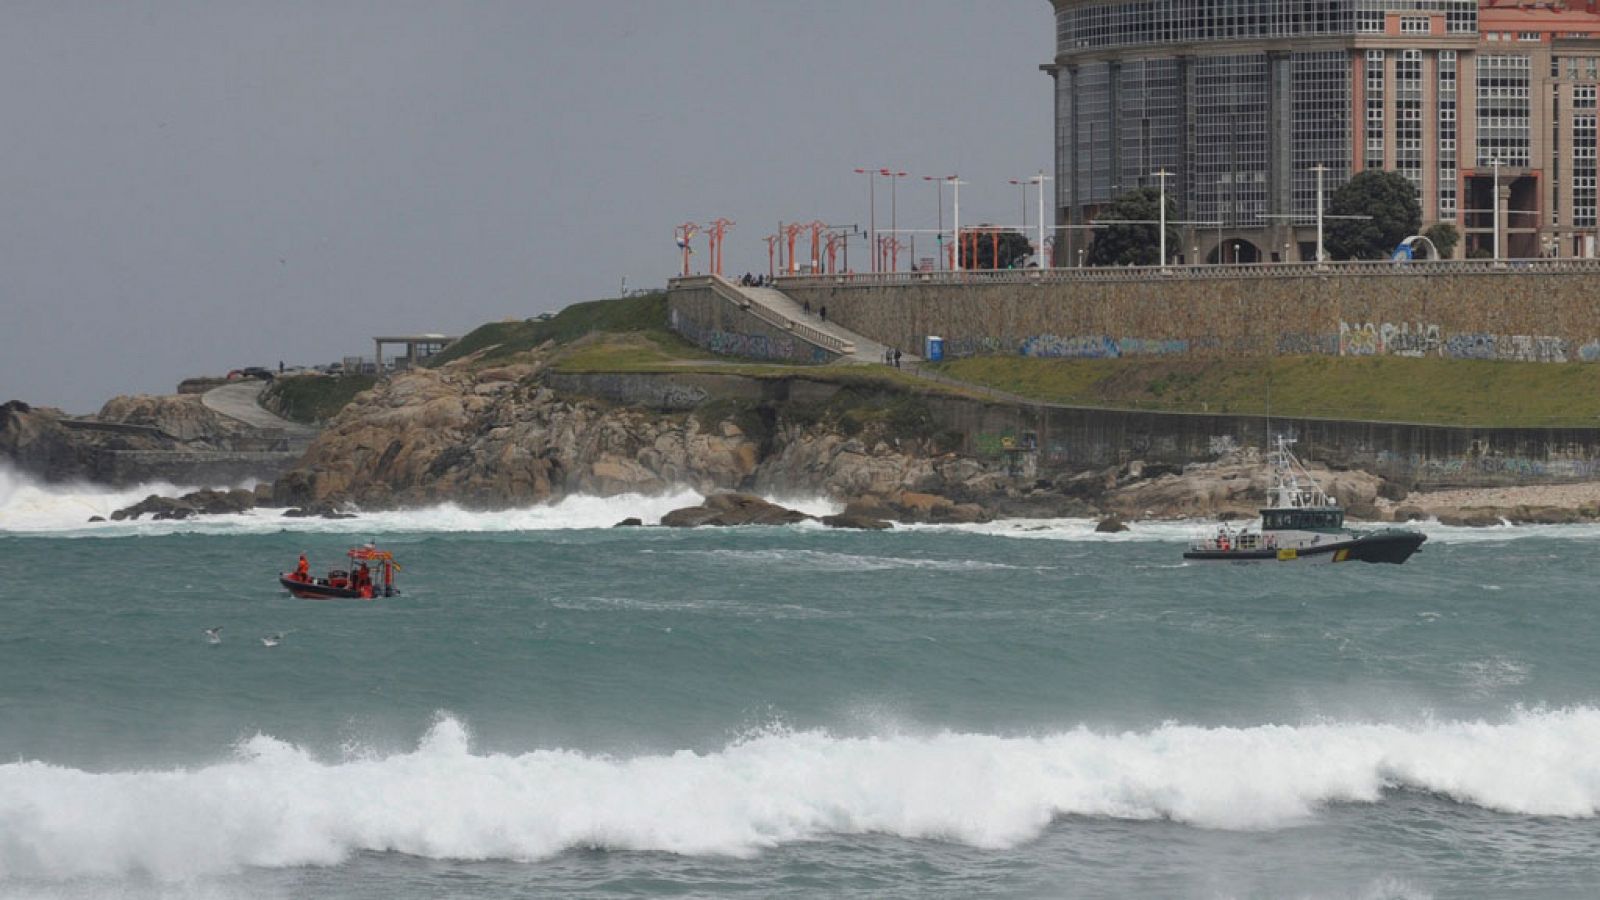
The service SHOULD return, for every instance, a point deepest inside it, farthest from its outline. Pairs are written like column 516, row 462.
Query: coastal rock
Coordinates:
column 181, row 416
column 857, row 522
column 93, row 519
column 206, row 502
column 1110, row 525
column 1470, row 518
column 728, row 510
column 631, row 522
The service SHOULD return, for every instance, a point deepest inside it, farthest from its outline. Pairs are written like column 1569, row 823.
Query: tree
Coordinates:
column 1444, row 236
column 1134, row 245
column 1014, row 249
column 1391, row 202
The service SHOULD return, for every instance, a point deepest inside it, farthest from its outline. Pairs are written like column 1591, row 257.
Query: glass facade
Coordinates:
column 1229, row 182
column 1373, row 158
column 1408, row 116
column 1447, row 134
column 1155, row 22
column 1583, row 156
column 1321, row 130
column 1502, row 111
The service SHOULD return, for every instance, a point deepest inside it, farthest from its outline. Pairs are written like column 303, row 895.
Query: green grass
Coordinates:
column 645, row 313
column 313, row 399
column 1431, row 390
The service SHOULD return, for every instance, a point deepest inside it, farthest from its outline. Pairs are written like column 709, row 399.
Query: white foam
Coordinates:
column 277, row 805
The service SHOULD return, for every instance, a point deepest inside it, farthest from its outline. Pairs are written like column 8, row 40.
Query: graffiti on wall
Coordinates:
column 749, row 346
column 1388, row 339
column 973, row 346
column 1304, row 343
column 1516, row 347
column 1515, row 466
column 1099, row 347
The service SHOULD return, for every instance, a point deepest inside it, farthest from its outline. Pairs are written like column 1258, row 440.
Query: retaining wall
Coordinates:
column 1543, row 316
column 1077, row 438
column 710, row 320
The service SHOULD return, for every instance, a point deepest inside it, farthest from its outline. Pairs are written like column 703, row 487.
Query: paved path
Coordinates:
column 867, row 349
column 242, row 401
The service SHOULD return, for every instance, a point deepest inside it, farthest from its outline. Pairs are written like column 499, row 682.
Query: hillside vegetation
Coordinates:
column 1430, row 389
column 644, row 314
column 313, row 399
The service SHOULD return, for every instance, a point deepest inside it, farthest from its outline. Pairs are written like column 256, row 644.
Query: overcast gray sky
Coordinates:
column 193, row 187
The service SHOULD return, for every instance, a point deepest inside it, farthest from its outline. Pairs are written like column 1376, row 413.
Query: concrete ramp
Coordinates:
column 778, row 305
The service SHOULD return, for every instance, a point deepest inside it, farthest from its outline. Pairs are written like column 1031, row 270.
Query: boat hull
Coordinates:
column 1383, row 547
column 310, row 590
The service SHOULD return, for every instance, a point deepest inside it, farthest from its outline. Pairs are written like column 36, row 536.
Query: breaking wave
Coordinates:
column 277, row 805
column 30, row 507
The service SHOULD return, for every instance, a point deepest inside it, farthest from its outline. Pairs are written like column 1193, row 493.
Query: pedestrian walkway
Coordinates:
column 779, row 303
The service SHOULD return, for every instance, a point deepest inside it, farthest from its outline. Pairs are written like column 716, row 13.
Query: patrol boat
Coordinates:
column 1301, row 523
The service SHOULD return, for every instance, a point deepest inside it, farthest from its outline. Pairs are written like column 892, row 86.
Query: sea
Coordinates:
column 554, row 707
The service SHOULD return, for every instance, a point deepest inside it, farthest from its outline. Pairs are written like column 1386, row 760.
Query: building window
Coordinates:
column 1413, row 24
column 1527, row 35
column 1408, row 116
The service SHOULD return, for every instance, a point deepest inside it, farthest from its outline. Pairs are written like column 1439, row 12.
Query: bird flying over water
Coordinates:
column 272, row 640
column 214, row 635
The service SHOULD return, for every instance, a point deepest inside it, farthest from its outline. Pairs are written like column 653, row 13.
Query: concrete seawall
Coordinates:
column 1077, row 438
column 1467, row 312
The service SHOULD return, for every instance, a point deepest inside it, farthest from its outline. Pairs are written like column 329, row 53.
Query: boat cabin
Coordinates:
column 1324, row 519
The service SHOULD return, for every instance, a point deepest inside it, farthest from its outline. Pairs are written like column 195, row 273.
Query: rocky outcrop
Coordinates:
column 183, row 417
column 207, row 502
column 500, row 437
column 731, row 510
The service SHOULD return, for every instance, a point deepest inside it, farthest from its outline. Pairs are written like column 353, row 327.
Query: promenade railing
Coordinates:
column 1231, row 271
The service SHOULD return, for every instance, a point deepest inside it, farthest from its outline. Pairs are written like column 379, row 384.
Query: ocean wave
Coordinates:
column 277, row 805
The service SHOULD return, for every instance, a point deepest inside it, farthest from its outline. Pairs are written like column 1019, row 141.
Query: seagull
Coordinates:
column 214, row 635
column 272, row 640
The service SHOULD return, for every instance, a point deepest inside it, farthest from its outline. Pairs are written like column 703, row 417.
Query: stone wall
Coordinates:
column 1539, row 316
column 707, row 318
column 1076, row 438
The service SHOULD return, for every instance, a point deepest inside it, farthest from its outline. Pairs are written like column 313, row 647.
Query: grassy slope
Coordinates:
column 645, row 314
column 311, row 399
column 1447, row 391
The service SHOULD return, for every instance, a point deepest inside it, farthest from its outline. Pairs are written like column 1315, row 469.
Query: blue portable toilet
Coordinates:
column 933, row 348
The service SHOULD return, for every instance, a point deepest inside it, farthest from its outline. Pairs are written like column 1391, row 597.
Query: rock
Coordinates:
column 1409, row 514
column 630, row 522
column 1110, row 525
column 727, row 510
column 860, row 522
column 1544, row 515
column 1474, row 517
column 962, row 514
column 97, row 518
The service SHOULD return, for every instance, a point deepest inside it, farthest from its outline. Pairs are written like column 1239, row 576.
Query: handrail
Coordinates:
column 1414, row 268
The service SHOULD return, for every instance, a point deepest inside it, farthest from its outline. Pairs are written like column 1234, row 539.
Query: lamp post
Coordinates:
column 1319, row 168
column 955, row 222
column 894, row 224
column 1495, row 163
column 872, row 201
column 1162, row 175
column 1040, row 179
column 939, row 183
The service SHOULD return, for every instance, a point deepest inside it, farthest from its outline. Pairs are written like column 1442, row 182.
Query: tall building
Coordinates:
column 1240, row 100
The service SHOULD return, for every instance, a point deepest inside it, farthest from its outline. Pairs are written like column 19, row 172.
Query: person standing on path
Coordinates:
column 822, row 311
column 897, row 357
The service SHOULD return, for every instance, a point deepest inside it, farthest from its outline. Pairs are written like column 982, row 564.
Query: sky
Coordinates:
column 190, row 188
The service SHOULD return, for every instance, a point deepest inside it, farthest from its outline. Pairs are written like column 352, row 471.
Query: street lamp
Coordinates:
column 939, row 183
column 1495, row 163
column 894, row 178
column 872, row 200
column 1163, row 225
